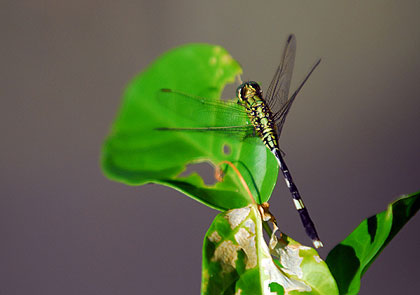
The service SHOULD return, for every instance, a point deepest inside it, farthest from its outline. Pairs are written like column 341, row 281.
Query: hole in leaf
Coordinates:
column 226, row 149
column 204, row 169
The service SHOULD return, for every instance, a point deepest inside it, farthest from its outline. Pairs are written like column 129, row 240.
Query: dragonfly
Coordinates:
column 267, row 115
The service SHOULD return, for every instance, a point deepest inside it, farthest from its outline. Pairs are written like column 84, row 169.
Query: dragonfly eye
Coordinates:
column 248, row 89
column 256, row 87
column 240, row 92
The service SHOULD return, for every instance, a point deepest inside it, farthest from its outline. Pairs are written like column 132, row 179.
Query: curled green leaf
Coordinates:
column 139, row 151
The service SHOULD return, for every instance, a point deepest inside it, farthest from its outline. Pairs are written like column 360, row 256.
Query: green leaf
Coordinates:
column 350, row 259
column 236, row 260
column 136, row 153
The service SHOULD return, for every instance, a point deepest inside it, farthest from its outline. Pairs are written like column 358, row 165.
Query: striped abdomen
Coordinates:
column 250, row 96
column 261, row 118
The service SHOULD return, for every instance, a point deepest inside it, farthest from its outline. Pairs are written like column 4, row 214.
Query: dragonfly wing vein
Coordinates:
column 202, row 111
column 280, row 116
column 239, row 132
column 278, row 91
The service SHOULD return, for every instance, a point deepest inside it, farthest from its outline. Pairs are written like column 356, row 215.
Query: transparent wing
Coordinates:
column 280, row 116
column 278, row 91
column 237, row 132
column 199, row 112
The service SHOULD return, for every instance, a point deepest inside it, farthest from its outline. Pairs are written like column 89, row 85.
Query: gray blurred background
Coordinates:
column 352, row 137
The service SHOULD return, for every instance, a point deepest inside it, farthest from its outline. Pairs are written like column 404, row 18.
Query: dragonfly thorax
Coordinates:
column 248, row 91
column 250, row 96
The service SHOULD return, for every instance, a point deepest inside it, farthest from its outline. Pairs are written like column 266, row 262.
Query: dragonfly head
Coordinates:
column 247, row 90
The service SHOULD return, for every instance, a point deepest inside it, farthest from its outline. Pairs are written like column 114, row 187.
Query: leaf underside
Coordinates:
column 236, row 260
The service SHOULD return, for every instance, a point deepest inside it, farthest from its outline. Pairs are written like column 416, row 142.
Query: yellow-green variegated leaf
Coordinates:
column 237, row 260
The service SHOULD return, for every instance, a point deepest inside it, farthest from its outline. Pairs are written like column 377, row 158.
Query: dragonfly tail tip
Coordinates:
column 317, row 244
